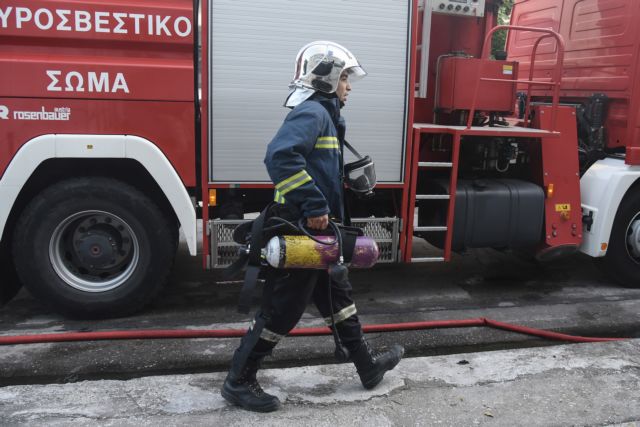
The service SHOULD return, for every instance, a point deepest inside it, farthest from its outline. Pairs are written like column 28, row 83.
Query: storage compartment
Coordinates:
column 251, row 54
column 457, row 78
column 497, row 213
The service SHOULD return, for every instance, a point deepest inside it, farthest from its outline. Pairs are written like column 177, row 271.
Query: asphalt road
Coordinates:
column 570, row 295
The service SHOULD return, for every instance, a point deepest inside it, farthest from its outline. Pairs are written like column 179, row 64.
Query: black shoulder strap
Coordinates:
column 254, row 265
column 352, row 149
column 349, row 236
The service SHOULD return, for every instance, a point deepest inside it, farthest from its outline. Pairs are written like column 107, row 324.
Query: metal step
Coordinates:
column 435, row 164
column 428, row 259
column 432, row 197
column 436, row 228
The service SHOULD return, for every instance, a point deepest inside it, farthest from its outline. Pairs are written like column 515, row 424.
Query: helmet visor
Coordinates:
column 356, row 72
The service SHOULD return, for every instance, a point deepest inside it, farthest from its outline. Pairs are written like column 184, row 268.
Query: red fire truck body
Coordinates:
column 122, row 122
column 601, row 57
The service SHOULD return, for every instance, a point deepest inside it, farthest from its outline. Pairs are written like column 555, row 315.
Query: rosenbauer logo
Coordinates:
column 84, row 21
column 58, row 114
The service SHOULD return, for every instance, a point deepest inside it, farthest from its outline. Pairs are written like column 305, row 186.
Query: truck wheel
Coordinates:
column 622, row 261
column 93, row 248
column 10, row 284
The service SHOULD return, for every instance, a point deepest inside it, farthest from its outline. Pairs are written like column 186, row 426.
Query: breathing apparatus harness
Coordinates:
column 276, row 220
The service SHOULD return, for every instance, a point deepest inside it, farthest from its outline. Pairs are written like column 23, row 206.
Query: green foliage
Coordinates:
column 504, row 16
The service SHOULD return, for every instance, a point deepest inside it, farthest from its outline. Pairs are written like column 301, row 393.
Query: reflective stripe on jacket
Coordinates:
column 303, row 159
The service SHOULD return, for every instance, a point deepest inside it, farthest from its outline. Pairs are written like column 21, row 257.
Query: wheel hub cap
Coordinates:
column 633, row 239
column 94, row 251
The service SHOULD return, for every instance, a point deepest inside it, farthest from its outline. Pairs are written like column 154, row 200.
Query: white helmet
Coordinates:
column 318, row 67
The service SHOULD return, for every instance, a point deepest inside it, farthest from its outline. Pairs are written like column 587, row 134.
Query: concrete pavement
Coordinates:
column 578, row 384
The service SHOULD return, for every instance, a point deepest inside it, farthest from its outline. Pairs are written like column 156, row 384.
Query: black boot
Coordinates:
column 371, row 365
column 241, row 387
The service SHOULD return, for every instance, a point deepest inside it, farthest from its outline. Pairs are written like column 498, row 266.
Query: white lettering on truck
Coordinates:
column 4, row 112
column 4, row 17
column 96, row 85
column 44, row 23
column 62, row 25
column 58, row 114
column 74, row 81
column 83, row 21
column 119, row 19
column 23, row 14
column 53, row 86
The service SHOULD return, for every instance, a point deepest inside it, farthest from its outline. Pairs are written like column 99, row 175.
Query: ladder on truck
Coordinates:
column 456, row 134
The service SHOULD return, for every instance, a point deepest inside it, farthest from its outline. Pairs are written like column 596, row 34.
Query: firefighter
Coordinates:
column 304, row 161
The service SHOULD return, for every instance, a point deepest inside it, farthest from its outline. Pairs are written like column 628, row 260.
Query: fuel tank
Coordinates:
column 496, row 213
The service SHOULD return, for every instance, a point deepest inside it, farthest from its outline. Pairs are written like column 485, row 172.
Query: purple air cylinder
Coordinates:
column 303, row 252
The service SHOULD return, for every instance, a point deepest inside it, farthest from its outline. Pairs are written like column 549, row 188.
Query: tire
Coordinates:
column 622, row 261
column 93, row 248
column 10, row 285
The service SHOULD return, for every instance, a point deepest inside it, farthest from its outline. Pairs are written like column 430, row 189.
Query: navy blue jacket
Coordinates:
column 304, row 158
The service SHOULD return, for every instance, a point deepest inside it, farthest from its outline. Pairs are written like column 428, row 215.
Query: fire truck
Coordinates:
column 128, row 122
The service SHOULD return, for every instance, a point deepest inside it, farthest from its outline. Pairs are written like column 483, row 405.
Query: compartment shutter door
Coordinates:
column 252, row 53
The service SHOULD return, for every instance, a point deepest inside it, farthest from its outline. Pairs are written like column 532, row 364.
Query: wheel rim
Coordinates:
column 633, row 239
column 94, row 251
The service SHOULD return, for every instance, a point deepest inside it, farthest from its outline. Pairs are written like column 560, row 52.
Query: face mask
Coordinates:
column 360, row 175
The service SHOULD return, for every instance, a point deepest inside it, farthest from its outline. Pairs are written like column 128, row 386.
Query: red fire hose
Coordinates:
column 230, row 333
